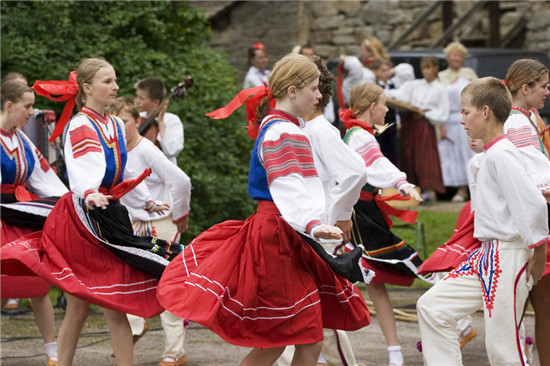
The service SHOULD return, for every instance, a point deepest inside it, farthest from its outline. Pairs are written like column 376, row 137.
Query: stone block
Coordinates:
column 319, row 37
column 325, row 51
column 343, row 40
column 343, row 31
column 329, row 22
column 375, row 12
column 350, row 7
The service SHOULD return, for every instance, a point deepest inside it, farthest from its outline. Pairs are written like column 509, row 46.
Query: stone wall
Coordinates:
column 337, row 27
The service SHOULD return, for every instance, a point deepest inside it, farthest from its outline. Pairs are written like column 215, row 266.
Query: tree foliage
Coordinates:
column 46, row 39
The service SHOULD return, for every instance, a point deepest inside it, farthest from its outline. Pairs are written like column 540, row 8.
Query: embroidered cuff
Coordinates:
column 402, row 183
column 150, row 206
column 87, row 195
column 181, row 218
column 312, row 225
column 539, row 243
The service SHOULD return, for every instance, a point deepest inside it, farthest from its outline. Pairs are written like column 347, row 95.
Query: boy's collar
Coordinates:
column 490, row 144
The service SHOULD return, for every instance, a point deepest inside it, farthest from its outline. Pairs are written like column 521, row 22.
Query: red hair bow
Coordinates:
column 257, row 93
column 258, row 46
column 67, row 90
column 350, row 121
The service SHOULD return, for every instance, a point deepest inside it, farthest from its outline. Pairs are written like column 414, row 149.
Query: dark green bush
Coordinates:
column 167, row 39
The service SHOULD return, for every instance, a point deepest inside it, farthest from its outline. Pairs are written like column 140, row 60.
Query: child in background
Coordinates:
column 388, row 140
column 511, row 221
column 150, row 93
column 392, row 260
column 167, row 183
column 418, row 154
column 258, row 74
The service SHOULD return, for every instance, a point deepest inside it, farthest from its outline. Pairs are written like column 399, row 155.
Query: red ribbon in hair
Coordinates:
column 350, row 121
column 67, row 90
column 259, row 46
column 386, row 210
column 253, row 97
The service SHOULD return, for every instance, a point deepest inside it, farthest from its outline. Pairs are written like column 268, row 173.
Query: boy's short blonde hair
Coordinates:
column 124, row 104
column 490, row 92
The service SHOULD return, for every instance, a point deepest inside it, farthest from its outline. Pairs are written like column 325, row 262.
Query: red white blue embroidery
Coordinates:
column 485, row 263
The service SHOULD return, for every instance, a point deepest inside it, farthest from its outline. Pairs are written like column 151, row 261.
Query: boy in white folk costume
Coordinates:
column 511, row 221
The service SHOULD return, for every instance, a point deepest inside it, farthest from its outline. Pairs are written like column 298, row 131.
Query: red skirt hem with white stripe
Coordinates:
column 17, row 287
column 258, row 284
column 68, row 256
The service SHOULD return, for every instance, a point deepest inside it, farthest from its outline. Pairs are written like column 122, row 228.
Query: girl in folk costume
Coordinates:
column 390, row 257
column 419, row 157
column 528, row 82
column 258, row 283
column 87, row 246
column 22, row 213
column 343, row 174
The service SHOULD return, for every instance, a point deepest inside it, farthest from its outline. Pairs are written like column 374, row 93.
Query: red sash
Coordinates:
column 125, row 186
column 387, row 210
column 20, row 191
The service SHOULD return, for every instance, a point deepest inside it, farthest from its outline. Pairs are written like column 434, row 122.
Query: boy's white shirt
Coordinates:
column 507, row 204
column 172, row 143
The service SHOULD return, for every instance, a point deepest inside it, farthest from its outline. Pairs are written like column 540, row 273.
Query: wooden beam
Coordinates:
column 414, row 24
column 447, row 14
column 449, row 31
column 494, row 24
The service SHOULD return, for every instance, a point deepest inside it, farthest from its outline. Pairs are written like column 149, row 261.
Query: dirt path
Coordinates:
column 21, row 345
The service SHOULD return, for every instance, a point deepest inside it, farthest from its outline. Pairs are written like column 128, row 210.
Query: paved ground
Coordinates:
column 21, row 345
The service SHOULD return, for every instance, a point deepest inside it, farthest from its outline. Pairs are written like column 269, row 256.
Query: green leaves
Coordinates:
column 46, row 39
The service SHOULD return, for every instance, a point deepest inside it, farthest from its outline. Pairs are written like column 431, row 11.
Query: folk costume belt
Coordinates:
column 387, row 210
column 20, row 191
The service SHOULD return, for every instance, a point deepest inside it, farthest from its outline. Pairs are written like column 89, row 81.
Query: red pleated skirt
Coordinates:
column 17, row 287
column 418, row 154
column 68, row 256
column 258, row 284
